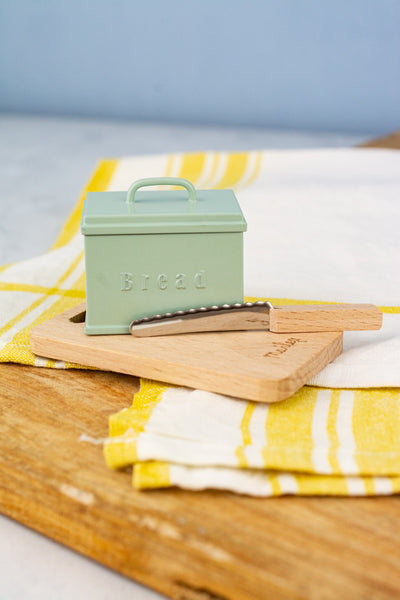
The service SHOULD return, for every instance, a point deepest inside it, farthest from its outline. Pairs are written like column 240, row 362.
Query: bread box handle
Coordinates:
column 130, row 196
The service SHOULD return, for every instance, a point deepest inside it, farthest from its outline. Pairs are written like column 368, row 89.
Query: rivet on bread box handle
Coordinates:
column 149, row 251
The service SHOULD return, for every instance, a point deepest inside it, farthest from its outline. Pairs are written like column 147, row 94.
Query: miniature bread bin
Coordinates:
column 156, row 251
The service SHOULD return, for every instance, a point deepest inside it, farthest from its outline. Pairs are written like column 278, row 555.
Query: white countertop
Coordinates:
column 44, row 164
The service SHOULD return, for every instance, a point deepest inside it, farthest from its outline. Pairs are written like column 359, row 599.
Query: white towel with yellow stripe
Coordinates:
column 319, row 441
column 322, row 227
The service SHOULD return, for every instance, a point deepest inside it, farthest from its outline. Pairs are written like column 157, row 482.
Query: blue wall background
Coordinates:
column 316, row 64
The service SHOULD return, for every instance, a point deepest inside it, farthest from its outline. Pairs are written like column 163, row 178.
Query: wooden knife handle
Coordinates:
column 324, row 317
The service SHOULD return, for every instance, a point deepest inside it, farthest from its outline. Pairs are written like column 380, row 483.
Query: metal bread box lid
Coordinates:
column 161, row 211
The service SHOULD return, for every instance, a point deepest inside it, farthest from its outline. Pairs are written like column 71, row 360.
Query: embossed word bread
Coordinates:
column 158, row 251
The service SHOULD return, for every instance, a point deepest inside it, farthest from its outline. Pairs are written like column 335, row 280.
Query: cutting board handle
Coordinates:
column 130, row 196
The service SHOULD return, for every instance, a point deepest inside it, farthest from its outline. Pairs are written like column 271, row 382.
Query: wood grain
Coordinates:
column 324, row 317
column 256, row 365
column 187, row 545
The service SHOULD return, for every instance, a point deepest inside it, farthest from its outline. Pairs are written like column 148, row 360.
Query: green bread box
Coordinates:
column 151, row 252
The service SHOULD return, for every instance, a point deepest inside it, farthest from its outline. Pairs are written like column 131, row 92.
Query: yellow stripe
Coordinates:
column 151, row 475
column 288, row 432
column 65, row 302
column 136, row 417
column 290, row 301
column 121, row 451
column 332, row 431
column 321, row 485
column 245, row 424
column 156, row 474
column 129, row 423
column 236, row 167
column 70, row 269
column 4, row 267
column 40, row 289
column 369, row 486
column 98, row 183
column 394, row 310
column 39, row 301
column 376, row 425
column 80, row 283
column 275, row 485
column 256, row 171
column 214, row 169
column 18, row 349
column 246, row 435
column 192, row 166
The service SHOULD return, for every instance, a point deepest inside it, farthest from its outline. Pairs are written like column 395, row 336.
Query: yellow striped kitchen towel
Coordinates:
column 319, row 441
column 321, row 228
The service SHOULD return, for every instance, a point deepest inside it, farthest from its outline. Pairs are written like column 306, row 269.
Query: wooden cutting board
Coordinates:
column 256, row 365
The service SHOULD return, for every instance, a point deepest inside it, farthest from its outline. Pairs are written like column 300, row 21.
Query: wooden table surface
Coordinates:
column 189, row 546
